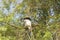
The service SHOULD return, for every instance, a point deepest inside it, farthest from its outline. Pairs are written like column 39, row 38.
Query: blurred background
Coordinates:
column 44, row 14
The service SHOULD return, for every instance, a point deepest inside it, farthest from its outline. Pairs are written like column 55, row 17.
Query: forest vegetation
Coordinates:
column 44, row 14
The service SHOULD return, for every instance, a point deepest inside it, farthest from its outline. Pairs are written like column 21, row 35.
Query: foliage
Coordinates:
column 45, row 15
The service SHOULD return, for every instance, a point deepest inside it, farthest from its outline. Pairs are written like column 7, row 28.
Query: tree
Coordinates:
column 45, row 15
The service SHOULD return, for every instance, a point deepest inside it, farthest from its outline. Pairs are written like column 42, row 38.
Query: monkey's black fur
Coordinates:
column 27, row 18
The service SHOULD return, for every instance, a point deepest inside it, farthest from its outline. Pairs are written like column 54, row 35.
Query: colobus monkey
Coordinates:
column 27, row 23
column 28, row 26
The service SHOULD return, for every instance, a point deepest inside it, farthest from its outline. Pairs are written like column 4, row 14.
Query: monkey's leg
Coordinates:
column 31, row 34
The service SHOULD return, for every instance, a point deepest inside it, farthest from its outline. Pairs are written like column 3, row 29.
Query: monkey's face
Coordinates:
column 27, row 22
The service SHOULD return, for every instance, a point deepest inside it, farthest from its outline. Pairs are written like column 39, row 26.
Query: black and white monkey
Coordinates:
column 27, row 23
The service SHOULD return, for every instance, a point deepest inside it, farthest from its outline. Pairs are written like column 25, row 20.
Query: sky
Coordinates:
column 12, row 6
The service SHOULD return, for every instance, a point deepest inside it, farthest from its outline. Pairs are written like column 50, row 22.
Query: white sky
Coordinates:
column 12, row 6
